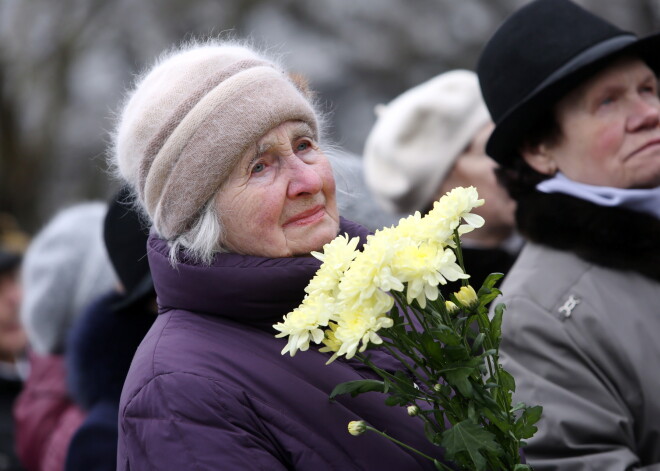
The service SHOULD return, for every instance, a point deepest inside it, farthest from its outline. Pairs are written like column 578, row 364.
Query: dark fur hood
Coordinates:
column 100, row 349
column 610, row 237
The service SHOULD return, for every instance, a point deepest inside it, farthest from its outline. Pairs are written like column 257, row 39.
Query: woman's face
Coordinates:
column 279, row 200
column 474, row 168
column 610, row 129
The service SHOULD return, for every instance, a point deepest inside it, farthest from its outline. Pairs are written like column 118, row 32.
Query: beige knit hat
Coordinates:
column 417, row 138
column 190, row 119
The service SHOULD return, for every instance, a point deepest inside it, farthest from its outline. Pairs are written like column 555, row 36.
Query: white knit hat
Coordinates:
column 417, row 138
column 191, row 118
column 65, row 268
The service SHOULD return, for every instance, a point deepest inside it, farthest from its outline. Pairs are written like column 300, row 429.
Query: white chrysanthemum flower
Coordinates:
column 453, row 207
column 357, row 324
column 337, row 256
column 305, row 323
column 370, row 271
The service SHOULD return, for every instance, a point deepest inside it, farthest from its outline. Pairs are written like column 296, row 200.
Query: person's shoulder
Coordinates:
column 542, row 274
column 183, row 342
column 572, row 291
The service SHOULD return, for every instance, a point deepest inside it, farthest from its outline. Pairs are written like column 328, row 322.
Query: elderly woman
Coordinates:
column 575, row 102
column 222, row 149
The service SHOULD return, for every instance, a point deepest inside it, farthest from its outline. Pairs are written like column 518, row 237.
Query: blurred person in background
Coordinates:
column 64, row 269
column 12, row 336
column 103, row 341
column 431, row 139
column 222, row 149
column 577, row 136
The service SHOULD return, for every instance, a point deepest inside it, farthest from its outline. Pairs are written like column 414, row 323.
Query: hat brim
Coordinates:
column 511, row 128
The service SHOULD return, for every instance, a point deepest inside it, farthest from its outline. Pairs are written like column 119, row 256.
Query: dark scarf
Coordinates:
column 610, row 237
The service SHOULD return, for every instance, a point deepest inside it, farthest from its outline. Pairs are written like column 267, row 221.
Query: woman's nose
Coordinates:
column 303, row 179
column 646, row 114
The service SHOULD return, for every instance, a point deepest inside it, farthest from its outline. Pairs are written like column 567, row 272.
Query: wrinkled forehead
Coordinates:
column 287, row 130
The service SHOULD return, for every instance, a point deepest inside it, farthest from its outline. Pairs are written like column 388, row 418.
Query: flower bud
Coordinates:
column 467, row 296
column 413, row 410
column 451, row 307
column 437, row 387
column 357, row 427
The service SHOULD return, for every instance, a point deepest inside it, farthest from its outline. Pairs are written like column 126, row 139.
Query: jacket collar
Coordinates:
column 607, row 236
column 248, row 289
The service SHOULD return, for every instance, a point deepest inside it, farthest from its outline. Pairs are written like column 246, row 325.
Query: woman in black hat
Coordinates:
column 575, row 102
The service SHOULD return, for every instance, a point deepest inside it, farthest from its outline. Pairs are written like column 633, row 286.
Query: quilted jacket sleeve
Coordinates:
column 570, row 369
column 184, row 421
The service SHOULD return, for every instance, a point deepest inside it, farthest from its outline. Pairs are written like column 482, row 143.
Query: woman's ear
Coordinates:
column 539, row 158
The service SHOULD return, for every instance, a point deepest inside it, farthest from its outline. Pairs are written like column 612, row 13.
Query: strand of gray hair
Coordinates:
column 203, row 240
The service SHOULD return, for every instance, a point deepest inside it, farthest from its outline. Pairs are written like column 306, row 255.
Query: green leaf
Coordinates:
column 478, row 341
column 405, row 384
column 486, row 299
column 358, row 387
column 489, row 283
column 483, row 397
column 525, row 424
column 506, row 380
column 439, row 419
column 434, row 351
column 431, row 434
column 397, row 400
column 471, row 411
column 468, row 437
column 533, row 414
column 488, row 292
column 500, row 423
column 496, row 323
column 522, row 467
column 457, row 353
column 458, row 377
column 446, row 336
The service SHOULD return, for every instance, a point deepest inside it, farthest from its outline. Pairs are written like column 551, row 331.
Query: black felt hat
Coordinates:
column 540, row 53
column 125, row 235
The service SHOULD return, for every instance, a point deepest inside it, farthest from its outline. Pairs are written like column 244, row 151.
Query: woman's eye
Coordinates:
column 258, row 168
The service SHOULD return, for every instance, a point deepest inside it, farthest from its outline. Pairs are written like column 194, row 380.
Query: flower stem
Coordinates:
column 383, row 434
column 459, row 255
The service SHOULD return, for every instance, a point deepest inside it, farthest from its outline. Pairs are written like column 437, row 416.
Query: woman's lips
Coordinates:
column 649, row 144
column 306, row 217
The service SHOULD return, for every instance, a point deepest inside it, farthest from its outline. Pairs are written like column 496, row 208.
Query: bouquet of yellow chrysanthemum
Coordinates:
column 388, row 295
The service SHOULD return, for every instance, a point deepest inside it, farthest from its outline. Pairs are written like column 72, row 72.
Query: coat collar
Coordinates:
column 247, row 289
column 607, row 236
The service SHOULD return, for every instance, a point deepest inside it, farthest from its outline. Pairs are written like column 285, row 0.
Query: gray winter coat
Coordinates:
column 583, row 339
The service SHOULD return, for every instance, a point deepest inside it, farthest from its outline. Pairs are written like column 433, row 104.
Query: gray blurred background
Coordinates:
column 64, row 65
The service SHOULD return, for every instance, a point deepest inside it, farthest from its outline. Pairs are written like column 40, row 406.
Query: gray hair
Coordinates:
column 203, row 240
